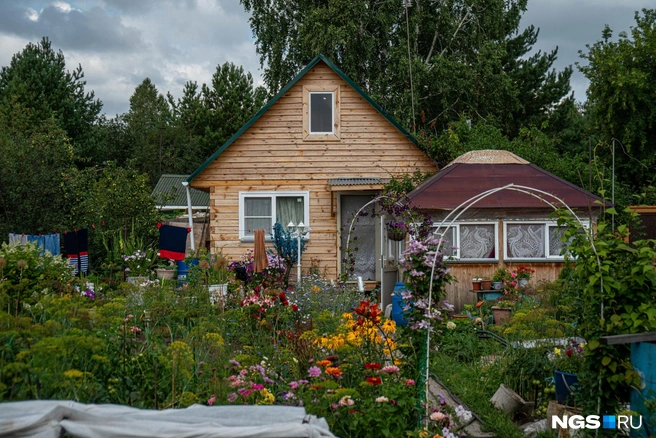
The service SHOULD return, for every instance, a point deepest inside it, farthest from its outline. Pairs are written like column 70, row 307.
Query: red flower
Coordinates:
column 332, row 358
column 294, row 307
column 368, row 310
column 372, row 366
column 374, row 380
column 282, row 296
column 569, row 352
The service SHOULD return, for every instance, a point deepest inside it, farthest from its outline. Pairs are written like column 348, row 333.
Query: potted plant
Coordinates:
column 499, row 278
column 503, row 309
column 567, row 362
column 486, row 283
column 522, row 275
column 214, row 273
column 138, row 265
column 165, row 269
column 476, row 283
column 396, row 230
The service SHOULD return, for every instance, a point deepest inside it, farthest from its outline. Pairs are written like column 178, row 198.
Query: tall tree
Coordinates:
column 35, row 159
column 37, row 79
column 621, row 102
column 467, row 57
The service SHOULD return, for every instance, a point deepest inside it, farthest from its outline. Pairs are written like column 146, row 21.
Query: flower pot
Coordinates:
column 476, row 285
column 165, row 274
column 565, row 386
column 396, row 234
column 486, row 284
column 501, row 314
column 522, row 282
column 507, row 400
column 218, row 293
column 497, row 285
column 135, row 280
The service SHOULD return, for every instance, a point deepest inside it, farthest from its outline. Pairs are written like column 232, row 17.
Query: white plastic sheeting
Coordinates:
column 53, row 419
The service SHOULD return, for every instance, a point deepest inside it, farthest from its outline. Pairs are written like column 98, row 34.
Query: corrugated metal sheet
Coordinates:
column 357, row 181
column 458, row 182
column 172, row 184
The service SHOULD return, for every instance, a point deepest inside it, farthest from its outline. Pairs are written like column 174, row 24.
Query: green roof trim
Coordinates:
column 282, row 92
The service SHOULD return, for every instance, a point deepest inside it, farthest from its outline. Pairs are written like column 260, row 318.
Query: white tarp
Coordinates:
column 54, row 418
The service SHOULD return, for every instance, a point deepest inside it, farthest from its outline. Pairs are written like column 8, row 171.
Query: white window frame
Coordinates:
column 272, row 195
column 456, row 255
column 547, row 255
column 332, row 113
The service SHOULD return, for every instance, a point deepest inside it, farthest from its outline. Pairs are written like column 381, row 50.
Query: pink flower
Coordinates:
column 293, row 385
column 135, row 329
column 314, row 371
column 437, row 416
column 257, row 386
column 232, row 397
column 410, row 382
column 211, row 400
column 390, row 369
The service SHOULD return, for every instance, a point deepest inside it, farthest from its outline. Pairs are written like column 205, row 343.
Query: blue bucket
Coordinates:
column 398, row 303
column 489, row 296
column 183, row 268
column 565, row 386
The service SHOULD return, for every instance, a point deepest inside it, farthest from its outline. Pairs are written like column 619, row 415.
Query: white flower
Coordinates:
column 382, row 399
column 451, row 325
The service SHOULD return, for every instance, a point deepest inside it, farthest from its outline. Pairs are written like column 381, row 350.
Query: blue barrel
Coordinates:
column 182, row 271
column 643, row 359
column 398, row 315
column 565, row 386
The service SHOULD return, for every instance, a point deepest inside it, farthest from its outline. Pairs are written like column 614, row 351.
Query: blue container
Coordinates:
column 565, row 386
column 489, row 296
column 643, row 359
column 398, row 315
column 183, row 268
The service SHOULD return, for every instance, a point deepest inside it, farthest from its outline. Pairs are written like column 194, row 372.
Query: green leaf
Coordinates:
column 605, row 361
column 593, row 344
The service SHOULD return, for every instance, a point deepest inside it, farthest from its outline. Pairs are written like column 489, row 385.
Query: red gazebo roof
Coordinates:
column 478, row 171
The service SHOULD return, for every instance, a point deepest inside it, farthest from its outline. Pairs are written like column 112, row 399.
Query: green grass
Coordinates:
column 475, row 387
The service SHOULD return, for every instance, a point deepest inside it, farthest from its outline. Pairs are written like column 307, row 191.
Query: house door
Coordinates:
column 363, row 236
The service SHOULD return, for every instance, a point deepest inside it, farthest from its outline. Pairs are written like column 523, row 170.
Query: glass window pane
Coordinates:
column 477, row 241
column 525, row 240
column 290, row 209
column 448, row 243
column 257, row 207
column 321, row 112
column 556, row 246
column 253, row 224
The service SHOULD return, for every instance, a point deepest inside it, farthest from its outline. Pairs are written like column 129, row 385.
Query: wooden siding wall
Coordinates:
column 272, row 156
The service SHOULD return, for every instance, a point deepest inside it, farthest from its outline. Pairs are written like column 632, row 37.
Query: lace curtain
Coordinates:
column 290, row 209
column 363, row 237
column 257, row 215
column 525, row 240
column 448, row 244
column 556, row 246
column 477, row 241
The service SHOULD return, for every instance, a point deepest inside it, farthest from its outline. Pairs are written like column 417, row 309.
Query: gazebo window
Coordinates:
column 534, row 240
column 472, row 241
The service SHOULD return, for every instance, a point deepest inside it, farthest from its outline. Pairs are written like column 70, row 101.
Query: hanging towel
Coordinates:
column 39, row 240
column 83, row 249
column 172, row 242
column 52, row 243
column 20, row 239
column 259, row 253
column 72, row 253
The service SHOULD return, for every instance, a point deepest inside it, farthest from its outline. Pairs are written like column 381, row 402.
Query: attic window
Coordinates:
column 321, row 120
column 321, row 113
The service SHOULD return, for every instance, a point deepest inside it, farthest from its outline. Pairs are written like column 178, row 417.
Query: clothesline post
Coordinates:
column 191, row 217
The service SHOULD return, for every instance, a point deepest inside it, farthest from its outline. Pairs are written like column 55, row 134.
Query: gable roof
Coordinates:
column 282, row 92
column 478, row 171
column 172, row 184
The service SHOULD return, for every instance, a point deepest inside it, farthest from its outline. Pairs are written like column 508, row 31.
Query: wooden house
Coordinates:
column 506, row 229
column 315, row 153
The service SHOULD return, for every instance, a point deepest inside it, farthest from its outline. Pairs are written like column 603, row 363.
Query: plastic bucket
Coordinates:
column 507, row 400
column 565, row 386
column 398, row 303
column 183, row 268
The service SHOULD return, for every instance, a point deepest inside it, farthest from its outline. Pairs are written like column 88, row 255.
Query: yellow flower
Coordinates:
column 74, row 374
column 268, row 398
column 389, row 326
column 557, row 351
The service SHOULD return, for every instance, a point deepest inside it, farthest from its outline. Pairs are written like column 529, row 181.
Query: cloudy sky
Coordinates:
column 121, row 42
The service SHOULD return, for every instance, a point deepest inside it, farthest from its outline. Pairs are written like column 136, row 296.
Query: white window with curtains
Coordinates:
column 471, row 241
column 261, row 210
column 534, row 240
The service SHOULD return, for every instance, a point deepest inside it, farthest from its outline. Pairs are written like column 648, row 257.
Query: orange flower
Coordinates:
column 334, row 371
column 324, row 363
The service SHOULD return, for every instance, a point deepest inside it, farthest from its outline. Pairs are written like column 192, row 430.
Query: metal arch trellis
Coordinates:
column 531, row 191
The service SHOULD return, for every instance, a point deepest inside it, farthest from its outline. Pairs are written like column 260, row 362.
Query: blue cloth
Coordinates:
column 52, row 244
column 39, row 240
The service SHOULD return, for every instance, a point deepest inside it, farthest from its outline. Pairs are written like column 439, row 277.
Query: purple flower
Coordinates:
column 232, row 397
column 314, row 371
